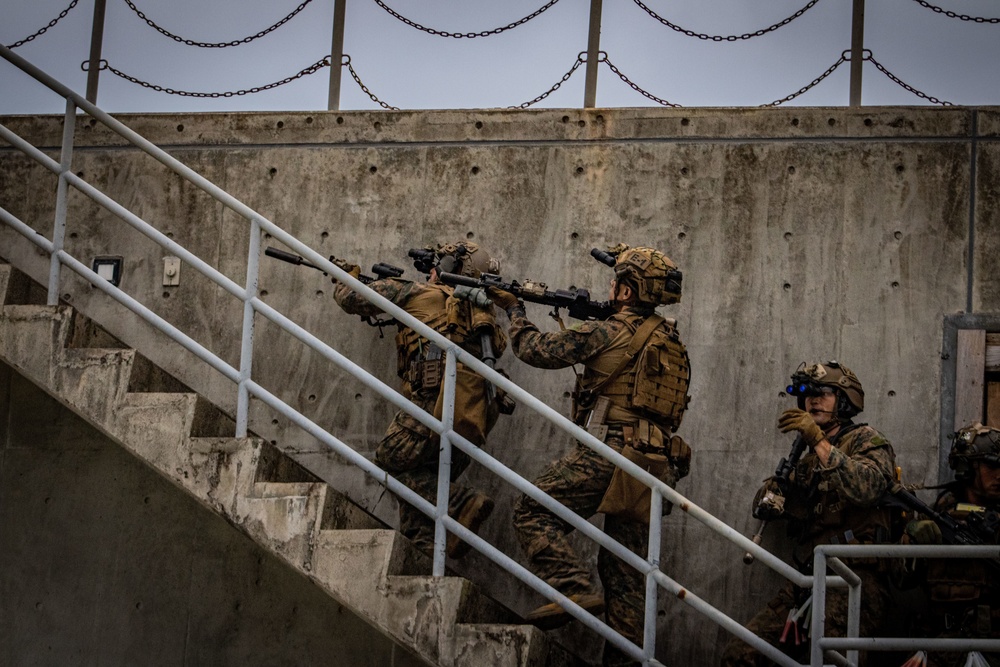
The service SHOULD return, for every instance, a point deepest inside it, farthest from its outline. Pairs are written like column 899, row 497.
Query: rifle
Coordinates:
column 576, row 301
column 782, row 475
column 381, row 270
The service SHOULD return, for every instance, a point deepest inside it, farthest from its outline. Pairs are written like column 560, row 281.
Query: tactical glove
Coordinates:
column 801, row 421
column 923, row 531
column 504, row 299
column 769, row 503
column 352, row 269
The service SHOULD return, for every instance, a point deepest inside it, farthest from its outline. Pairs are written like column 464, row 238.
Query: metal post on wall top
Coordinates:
column 593, row 49
column 857, row 50
column 336, row 55
column 96, row 44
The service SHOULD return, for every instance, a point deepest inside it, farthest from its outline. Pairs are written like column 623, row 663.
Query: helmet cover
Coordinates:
column 819, row 378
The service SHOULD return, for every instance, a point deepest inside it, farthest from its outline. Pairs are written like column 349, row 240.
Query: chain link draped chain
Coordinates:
column 580, row 59
column 42, row 31
column 315, row 67
column 844, row 57
column 895, row 79
column 726, row 38
column 364, row 88
column 466, row 35
column 634, row 86
column 215, row 45
column 953, row 15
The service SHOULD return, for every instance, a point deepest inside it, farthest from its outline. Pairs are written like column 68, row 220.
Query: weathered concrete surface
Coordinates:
column 368, row 569
column 802, row 234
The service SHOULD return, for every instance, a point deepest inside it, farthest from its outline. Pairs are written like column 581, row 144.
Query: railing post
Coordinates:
column 336, row 55
column 817, row 627
column 246, row 346
column 593, row 49
column 853, row 619
column 444, row 464
column 96, row 44
column 62, row 194
column 857, row 50
column 652, row 589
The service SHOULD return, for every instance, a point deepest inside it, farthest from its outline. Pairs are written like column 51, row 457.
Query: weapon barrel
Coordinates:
column 271, row 251
column 456, row 279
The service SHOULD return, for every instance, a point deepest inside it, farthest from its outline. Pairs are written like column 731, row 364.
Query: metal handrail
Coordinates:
column 648, row 566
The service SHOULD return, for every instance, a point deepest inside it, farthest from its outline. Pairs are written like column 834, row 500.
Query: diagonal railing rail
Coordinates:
column 246, row 388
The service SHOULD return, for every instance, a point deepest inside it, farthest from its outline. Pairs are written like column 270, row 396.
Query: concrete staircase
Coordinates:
column 367, row 567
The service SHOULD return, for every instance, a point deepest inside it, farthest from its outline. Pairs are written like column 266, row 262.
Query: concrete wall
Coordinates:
column 803, row 234
column 103, row 562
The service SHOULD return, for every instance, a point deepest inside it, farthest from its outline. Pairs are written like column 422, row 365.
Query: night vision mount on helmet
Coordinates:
column 655, row 278
column 817, row 379
column 973, row 443
column 462, row 258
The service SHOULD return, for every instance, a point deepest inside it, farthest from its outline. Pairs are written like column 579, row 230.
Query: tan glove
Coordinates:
column 352, row 269
column 799, row 420
column 769, row 503
column 923, row 531
column 503, row 299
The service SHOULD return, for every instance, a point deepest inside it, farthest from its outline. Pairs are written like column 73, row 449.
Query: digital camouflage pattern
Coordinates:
column 579, row 481
column 409, row 450
column 832, row 504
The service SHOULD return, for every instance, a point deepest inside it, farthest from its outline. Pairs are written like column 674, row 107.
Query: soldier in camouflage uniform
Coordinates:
column 963, row 595
column 617, row 401
column 832, row 497
column 409, row 450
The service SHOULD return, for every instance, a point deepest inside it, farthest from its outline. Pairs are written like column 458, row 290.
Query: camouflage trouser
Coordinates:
column 769, row 623
column 409, row 452
column 579, row 481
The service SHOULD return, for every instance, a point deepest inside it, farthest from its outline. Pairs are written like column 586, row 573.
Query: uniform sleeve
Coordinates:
column 559, row 349
column 862, row 469
column 353, row 303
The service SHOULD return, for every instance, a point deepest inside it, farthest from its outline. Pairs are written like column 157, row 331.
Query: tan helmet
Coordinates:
column 812, row 379
column 652, row 275
column 465, row 258
column 973, row 443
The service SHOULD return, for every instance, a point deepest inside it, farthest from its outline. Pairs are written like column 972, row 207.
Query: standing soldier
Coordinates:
column 409, row 450
column 632, row 394
column 830, row 497
column 964, row 595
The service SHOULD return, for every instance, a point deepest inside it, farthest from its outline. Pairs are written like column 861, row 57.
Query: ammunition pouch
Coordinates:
column 630, row 499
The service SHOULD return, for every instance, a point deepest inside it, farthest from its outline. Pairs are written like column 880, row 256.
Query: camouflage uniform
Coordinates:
column 579, row 481
column 832, row 504
column 409, row 450
column 964, row 595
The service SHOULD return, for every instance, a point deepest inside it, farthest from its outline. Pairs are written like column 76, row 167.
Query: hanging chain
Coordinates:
column 41, row 32
column 906, row 86
column 604, row 58
column 364, row 88
column 467, row 35
column 844, row 57
column 580, row 59
column 953, row 15
column 215, row 45
column 726, row 38
column 315, row 67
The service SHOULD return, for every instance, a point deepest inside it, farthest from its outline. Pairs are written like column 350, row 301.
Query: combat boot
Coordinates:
column 474, row 512
column 552, row 616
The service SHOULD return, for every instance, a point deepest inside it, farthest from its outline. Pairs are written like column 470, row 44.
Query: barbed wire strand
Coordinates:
column 953, row 15
column 42, row 30
column 726, row 38
column 465, row 35
column 215, row 45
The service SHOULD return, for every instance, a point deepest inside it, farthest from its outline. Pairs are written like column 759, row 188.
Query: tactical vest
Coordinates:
column 458, row 320
column 654, row 386
column 954, row 580
column 835, row 520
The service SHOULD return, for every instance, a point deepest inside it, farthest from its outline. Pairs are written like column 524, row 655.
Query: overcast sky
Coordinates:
column 948, row 58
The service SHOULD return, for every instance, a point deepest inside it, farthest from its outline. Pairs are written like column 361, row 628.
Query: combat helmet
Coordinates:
column 973, row 443
column 462, row 257
column 652, row 275
column 815, row 379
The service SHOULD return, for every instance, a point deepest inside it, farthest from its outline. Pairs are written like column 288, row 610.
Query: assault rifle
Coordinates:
column 381, row 270
column 576, row 301
column 782, row 475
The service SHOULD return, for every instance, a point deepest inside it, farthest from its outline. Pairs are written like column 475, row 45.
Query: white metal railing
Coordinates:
column 247, row 388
